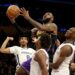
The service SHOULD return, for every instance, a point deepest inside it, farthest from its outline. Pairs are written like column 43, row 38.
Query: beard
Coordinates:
column 46, row 20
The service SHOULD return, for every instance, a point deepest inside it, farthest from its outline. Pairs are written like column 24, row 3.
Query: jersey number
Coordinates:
column 28, row 57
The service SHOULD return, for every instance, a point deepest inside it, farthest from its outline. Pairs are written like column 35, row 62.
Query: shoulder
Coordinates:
column 66, row 50
column 31, row 49
column 53, row 24
column 18, row 47
column 67, row 46
column 14, row 47
column 40, row 52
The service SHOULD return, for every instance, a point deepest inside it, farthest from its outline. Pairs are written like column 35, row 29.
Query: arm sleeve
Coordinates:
column 13, row 50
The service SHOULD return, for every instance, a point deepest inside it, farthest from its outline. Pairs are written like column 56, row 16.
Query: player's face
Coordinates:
column 70, row 32
column 47, row 16
column 23, row 41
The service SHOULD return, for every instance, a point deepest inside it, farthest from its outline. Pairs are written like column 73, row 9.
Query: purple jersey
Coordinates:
column 26, row 65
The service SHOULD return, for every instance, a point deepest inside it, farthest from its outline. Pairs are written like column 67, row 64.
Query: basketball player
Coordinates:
column 48, row 26
column 54, row 34
column 40, row 59
column 22, row 53
column 64, row 55
column 24, row 69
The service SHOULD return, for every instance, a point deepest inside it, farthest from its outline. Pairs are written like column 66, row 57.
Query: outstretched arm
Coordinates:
column 18, row 28
column 51, row 27
column 25, row 14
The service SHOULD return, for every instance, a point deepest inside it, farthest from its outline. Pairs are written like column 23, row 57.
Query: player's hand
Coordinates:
column 34, row 30
column 34, row 39
column 10, row 38
column 25, row 13
column 12, row 20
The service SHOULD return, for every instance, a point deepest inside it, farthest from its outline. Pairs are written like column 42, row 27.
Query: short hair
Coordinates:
column 45, row 40
column 26, row 34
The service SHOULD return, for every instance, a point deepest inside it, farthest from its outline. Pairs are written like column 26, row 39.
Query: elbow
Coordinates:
column 56, row 67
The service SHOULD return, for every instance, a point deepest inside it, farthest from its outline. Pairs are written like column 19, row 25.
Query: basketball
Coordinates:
column 13, row 11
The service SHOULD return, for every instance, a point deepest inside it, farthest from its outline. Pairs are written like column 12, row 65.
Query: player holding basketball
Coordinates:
column 47, row 26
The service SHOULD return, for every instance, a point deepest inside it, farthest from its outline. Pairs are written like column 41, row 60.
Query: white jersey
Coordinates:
column 22, row 54
column 35, row 68
column 64, row 67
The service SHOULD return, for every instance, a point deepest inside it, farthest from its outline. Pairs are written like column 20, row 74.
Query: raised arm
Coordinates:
column 51, row 27
column 6, row 42
column 25, row 14
column 18, row 28
column 3, row 48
